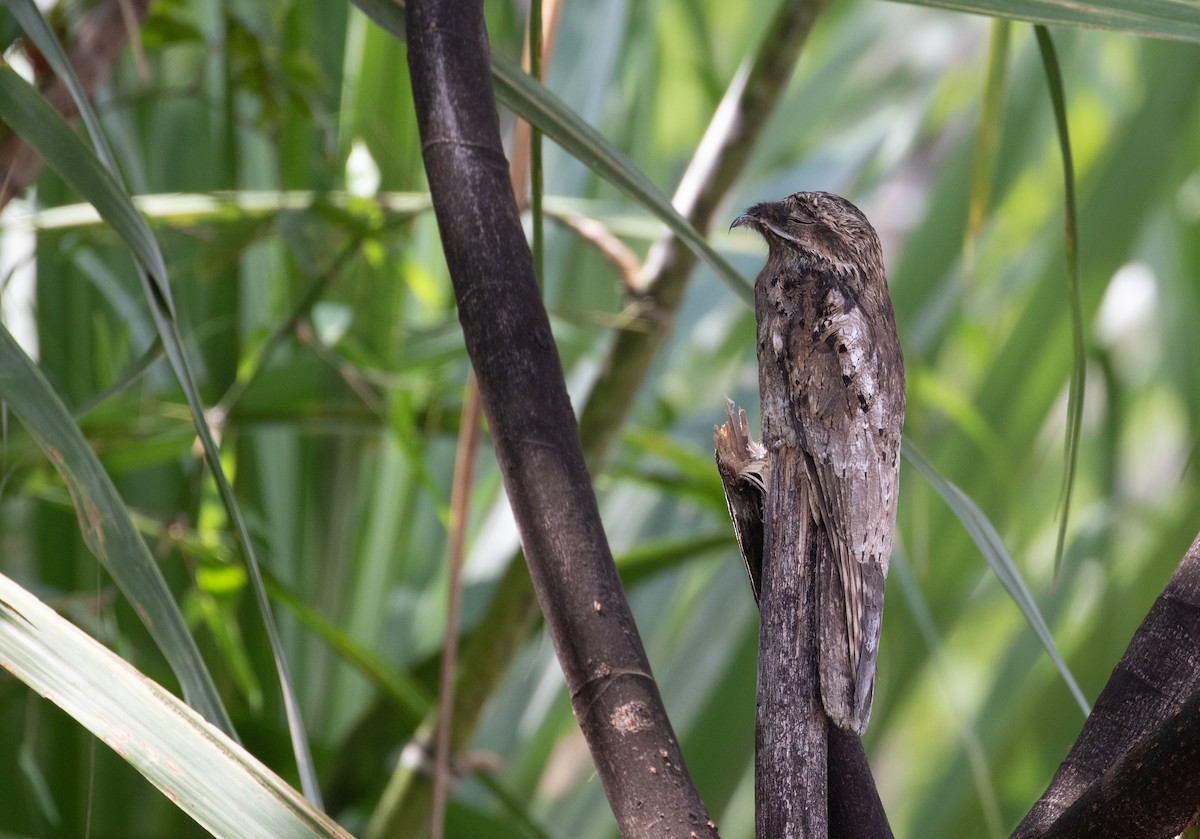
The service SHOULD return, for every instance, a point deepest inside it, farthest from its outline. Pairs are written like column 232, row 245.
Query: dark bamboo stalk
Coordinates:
column 508, row 338
column 1152, row 791
column 724, row 150
column 855, row 810
column 1140, row 705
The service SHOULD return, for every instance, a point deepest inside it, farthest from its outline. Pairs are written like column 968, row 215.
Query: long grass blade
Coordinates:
column 984, row 158
column 1071, row 247
column 204, row 772
column 992, row 547
column 44, row 129
column 106, row 525
column 38, row 30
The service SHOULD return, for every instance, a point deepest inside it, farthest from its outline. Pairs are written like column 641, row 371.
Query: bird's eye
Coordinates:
column 802, row 220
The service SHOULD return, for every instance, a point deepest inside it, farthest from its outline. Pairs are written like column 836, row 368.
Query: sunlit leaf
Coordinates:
column 24, row 110
column 206, row 774
column 105, row 523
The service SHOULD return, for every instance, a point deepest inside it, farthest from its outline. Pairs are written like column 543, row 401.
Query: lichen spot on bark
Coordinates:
column 631, row 717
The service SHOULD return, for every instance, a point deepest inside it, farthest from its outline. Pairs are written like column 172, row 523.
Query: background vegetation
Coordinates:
column 275, row 148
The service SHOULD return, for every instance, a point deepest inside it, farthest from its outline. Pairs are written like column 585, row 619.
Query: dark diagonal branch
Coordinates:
column 508, row 338
column 1130, row 761
column 1152, row 791
column 730, row 137
column 98, row 42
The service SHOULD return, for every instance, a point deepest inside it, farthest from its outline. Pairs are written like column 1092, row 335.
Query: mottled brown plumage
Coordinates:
column 831, row 377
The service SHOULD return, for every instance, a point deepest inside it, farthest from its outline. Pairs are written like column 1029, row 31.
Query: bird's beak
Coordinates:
column 766, row 218
column 745, row 220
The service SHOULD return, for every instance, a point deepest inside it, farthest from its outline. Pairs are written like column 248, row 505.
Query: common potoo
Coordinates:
column 831, row 379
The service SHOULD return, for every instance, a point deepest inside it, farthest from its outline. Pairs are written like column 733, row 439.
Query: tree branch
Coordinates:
column 1118, row 763
column 790, row 769
column 508, row 338
column 855, row 811
column 854, row 808
column 1152, row 791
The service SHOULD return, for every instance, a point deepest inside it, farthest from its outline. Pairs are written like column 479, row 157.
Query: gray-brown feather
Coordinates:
column 824, row 314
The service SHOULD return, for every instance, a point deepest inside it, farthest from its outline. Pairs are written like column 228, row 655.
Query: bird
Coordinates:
column 831, row 379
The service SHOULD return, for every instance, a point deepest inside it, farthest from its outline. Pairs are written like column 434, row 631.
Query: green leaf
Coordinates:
column 988, row 139
column 405, row 692
column 38, row 30
column 993, row 550
column 1071, row 246
column 1175, row 19
column 205, row 773
column 106, row 525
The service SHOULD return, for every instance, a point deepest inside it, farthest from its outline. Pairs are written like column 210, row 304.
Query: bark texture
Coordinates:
column 508, row 338
column 790, row 786
column 1134, row 760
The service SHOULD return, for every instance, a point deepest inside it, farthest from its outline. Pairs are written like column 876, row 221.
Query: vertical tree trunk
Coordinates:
column 790, row 754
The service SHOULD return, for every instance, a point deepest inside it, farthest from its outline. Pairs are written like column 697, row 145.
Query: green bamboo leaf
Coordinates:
column 992, row 547
column 27, row 113
column 127, row 379
column 406, row 693
column 106, row 525
column 530, row 99
column 205, row 773
column 1174, row 19
column 1071, row 247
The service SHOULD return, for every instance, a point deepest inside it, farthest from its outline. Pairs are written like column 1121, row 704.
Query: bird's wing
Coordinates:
column 850, row 433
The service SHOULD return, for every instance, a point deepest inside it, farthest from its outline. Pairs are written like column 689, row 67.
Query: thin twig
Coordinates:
column 460, row 504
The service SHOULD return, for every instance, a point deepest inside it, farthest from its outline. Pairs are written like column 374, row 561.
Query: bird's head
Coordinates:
column 817, row 226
